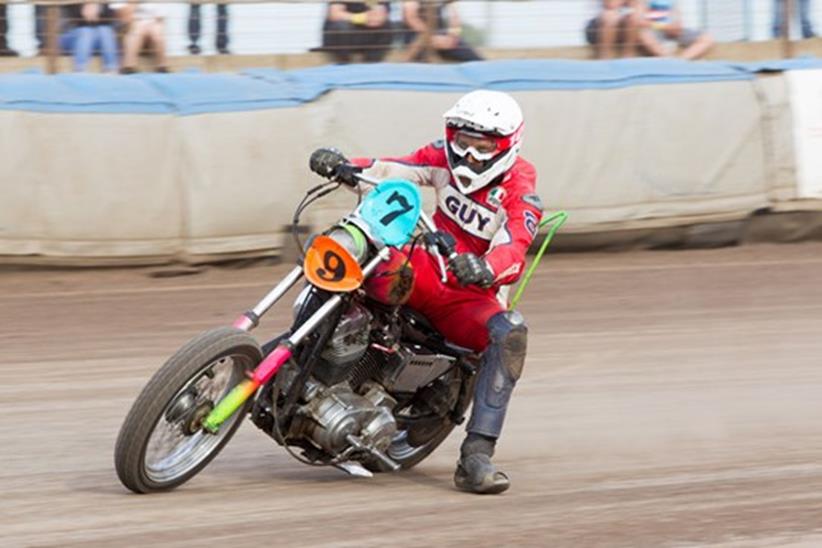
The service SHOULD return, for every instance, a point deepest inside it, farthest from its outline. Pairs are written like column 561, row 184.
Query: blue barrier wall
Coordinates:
column 189, row 93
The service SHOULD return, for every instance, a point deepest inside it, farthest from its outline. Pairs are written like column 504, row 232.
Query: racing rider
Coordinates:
column 486, row 202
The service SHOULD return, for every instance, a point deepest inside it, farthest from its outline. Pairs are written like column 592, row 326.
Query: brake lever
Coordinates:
column 440, row 246
column 443, row 270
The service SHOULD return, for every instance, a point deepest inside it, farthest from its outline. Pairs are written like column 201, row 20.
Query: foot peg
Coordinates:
column 376, row 453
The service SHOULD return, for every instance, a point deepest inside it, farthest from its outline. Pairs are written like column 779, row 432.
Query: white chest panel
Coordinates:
column 471, row 216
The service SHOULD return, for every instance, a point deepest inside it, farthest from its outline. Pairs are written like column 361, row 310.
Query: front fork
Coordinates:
column 267, row 368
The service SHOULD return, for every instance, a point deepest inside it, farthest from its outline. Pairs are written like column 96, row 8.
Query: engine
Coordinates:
column 346, row 408
column 346, row 346
column 343, row 410
column 336, row 418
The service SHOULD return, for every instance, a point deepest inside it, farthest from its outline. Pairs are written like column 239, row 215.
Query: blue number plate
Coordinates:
column 392, row 210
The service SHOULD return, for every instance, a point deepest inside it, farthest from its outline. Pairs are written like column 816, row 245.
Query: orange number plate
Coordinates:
column 330, row 266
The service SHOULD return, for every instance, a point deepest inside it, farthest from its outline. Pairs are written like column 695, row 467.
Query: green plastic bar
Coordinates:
column 558, row 219
column 228, row 405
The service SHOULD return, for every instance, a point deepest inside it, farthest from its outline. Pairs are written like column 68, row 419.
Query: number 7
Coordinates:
column 405, row 207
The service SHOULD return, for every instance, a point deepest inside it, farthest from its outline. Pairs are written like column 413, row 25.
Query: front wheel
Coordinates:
column 161, row 444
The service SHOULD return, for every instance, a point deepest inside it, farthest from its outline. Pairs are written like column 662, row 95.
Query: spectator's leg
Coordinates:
column 194, row 28
column 40, row 27
column 778, row 12
column 133, row 43
column 108, row 47
column 157, row 35
column 608, row 27
column 222, row 28
column 650, row 43
column 66, row 42
column 461, row 54
column 373, row 54
column 5, row 50
column 376, row 43
column 696, row 44
column 337, row 40
column 83, row 46
column 409, row 38
column 805, row 18
column 591, row 35
column 630, row 27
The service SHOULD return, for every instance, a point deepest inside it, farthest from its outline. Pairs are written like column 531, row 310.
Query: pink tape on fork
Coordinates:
column 244, row 323
column 271, row 364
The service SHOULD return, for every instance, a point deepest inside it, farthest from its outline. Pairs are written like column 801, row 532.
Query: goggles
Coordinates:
column 482, row 146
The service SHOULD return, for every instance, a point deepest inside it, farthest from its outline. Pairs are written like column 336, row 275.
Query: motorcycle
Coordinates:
column 358, row 382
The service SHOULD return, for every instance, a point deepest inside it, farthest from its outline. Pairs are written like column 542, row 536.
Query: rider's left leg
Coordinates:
column 501, row 367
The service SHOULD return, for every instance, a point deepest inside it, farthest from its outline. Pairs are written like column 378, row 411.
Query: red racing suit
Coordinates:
column 497, row 222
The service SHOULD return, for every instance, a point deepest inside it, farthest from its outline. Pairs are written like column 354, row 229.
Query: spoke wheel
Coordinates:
column 408, row 454
column 161, row 443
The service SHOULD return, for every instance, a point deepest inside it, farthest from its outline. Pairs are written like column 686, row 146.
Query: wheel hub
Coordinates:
column 194, row 423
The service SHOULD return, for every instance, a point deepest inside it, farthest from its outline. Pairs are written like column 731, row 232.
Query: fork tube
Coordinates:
column 250, row 319
column 311, row 323
column 267, row 368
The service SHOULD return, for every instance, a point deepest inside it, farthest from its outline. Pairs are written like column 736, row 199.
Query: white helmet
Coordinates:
column 488, row 125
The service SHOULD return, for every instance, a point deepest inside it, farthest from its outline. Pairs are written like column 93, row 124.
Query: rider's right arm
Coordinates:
column 426, row 166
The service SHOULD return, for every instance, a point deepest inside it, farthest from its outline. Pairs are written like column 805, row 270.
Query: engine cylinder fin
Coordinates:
column 367, row 368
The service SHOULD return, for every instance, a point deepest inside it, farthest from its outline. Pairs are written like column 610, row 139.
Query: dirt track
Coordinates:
column 669, row 398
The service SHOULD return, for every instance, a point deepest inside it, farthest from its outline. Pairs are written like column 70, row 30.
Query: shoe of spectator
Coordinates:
column 128, row 70
column 194, row 49
column 8, row 52
column 163, row 70
column 223, row 51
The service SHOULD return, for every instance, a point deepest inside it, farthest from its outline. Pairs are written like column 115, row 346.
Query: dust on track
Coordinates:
column 669, row 398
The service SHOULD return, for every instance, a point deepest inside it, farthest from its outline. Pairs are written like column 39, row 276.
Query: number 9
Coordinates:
column 333, row 267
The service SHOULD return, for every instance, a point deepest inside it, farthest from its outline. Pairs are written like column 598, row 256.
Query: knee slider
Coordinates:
column 508, row 330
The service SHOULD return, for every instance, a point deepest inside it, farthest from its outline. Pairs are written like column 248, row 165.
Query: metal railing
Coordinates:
column 290, row 26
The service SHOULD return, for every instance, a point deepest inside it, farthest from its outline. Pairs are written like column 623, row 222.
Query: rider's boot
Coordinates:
column 502, row 364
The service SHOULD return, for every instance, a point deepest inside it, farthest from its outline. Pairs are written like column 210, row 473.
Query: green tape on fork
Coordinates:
column 556, row 220
column 229, row 405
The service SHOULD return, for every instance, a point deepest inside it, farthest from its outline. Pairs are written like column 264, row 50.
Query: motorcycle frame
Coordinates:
column 272, row 363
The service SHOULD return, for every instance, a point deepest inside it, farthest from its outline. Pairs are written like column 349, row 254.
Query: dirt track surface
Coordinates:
column 669, row 398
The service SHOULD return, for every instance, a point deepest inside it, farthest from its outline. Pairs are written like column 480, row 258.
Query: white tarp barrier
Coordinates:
column 125, row 186
column 606, row 156
column 88, row 185
column 806, row 103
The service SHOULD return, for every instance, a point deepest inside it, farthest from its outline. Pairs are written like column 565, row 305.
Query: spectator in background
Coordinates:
column 663, row 21
column 352, row 28
column 446, row 39
column 89, row 28
column 40, row 27
column 5, row 50
column 144, row 27
column 804, row 18
column 221, row 40
column 617, row 26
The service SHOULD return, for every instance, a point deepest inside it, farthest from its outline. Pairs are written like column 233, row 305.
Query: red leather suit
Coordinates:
column 497, row 222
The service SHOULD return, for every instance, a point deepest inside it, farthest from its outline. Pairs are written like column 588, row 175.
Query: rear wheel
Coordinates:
column 161, row 444
column 406, row 455
column 424, row 424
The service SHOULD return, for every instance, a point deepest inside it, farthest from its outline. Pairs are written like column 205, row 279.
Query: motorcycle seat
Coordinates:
column 420, row 323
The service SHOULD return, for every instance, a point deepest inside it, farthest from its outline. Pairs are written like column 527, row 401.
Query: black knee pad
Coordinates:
column 508, row 330
column 501, row 367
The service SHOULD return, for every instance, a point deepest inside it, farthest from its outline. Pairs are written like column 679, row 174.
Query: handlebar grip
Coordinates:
column 445, row 244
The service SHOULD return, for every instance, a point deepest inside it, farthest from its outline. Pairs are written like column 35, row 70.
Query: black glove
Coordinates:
column 470, row 269
column 331, row 164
